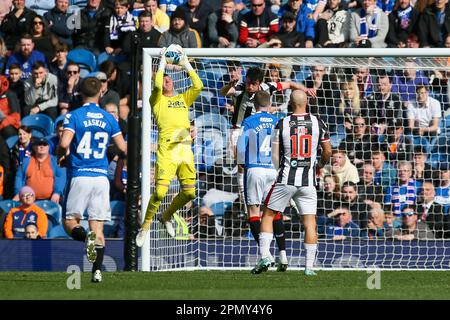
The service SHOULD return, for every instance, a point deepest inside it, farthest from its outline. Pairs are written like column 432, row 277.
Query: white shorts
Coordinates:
column 91, row 195
column 305, row 198
column 257, row 184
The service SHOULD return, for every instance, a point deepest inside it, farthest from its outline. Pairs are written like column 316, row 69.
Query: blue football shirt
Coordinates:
column 93, row 128
column 254, row 147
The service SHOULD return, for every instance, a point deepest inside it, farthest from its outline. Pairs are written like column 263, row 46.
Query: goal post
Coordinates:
column 226, row 242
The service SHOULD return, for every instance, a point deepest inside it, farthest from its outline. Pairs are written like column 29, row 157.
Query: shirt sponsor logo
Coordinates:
column 176, row 104
column 94, row 115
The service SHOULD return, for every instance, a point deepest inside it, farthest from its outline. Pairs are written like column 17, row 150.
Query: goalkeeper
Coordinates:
column 174, row 155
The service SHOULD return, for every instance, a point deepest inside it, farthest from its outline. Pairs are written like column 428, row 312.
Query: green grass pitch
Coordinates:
column 223, row 285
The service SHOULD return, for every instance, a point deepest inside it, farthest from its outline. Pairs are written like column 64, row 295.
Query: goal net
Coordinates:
column 383, row 201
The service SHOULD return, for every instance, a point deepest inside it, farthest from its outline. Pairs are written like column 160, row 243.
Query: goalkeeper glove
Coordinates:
column 185, row 62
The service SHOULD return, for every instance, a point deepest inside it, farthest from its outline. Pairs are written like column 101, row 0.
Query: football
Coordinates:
column 174, row 54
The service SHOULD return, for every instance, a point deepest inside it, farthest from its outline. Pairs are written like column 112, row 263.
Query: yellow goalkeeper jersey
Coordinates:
column 172, row 113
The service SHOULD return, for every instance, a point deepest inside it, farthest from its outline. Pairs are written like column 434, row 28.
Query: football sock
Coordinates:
column 311, row 250
column 152, row 207
column 278, row 229
column 255, row 226
column 178, row 202
column 79, row 234
column 99, row 260
column 265, row 239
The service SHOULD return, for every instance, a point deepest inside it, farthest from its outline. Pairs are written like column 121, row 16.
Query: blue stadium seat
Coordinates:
column 85, row 59
column 37, row 133
column 52, row 209
column 117, row 208
column 58, row 119
column 7, row 205
column 39, row 122
column 12, row 141
column 102, row 57
column 57, row 232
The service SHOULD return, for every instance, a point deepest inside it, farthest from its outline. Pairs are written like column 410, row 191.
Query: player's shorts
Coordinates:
column 257, row 184
column 178, row 161
column 89, row 194
column 304, row 197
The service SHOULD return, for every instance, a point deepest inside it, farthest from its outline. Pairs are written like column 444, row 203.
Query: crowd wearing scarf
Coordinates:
column 121, row 24
column 363, row 25
column 405, row 17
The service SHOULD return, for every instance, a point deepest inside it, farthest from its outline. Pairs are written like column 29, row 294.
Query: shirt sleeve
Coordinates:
column 192, row 93
column 157, row 89
column 436, row 110
column 69, row 123
column 324, row 133
column 42, row 223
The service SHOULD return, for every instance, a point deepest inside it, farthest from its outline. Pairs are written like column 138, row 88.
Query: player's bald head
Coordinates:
column 298, row 100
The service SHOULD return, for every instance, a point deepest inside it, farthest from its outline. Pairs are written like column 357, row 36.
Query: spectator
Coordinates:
column 403, row 192
column 425, row 114
column 3, row 57
column 412, row 228
column 169, row 6
column 93, row 20
column 147, row 34
column 42, row 173
column 223, row 26
column 180, row 33
column 9, row 110
column 439, row 81
column 107, row 95
column 32, row 232
column 118, row 80
column 433, row 213
column 406, row 83
column 41, row 6
column 44, row 40
column 207, row 223
column 41, row 92
column 354, row 203
column 303, row 11
column 121, row 178
column 383, row 105
column 412, row 41
column 28, row 212
column 258, row 25
column 160, row 20
column 385, row 174
column 422, row 170
column 17, row 85
column 197, row 12
column 342, row 227
column 434, row 24
column 364, row 81
column 377, row 225
column 6, row 174
column 367, row 190
column 368, row 26
column 333, row 25
column 120, row 23
column 443, row 189
column 399, row 146
column 69, row 95
column 60, row 22
column 16, row 23
column 26, row 57
column 22, row 150
column 53, row 141
column 349, row 106
column 329, row 197
column 402, row 22
column 59, row 62
column 326, row 93
column 342, row 167
column 358, row 144
column 392, row 224
column 288, row 34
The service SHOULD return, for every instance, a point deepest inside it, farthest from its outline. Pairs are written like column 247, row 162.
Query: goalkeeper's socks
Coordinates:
column 255, row 226
column 99, row 260
column 278, row 229
column 177, row 203
column 311, row 250
column 79, row 234
column 265, row 239
column 150, row 213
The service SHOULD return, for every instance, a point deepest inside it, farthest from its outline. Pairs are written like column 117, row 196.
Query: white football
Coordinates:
column 174, row 54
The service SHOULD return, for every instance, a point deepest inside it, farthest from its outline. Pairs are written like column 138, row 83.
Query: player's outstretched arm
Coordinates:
column 120, row 143
column 192, row 93
column 63, row 146
column 298, row 86
column 326, row 154
column 159, row 79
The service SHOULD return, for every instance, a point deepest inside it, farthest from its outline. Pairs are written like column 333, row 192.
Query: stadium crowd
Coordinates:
column 389, row 175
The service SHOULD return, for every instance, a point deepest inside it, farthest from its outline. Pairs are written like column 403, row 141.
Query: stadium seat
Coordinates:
column 12, row 141
column 57, row 232
column 37, row 133
column 52, row 209
column 58, row 119
column 102, row 57
column 85, row 59
column 39, row 122
column 7, row 205
column 117, row 208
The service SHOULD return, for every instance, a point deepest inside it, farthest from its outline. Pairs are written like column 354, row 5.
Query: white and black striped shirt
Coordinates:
column 299, row 137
